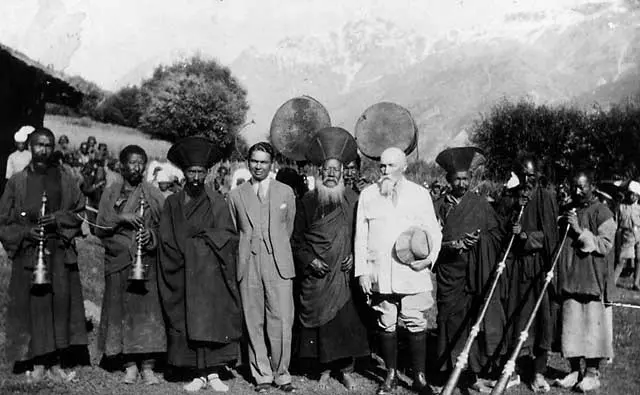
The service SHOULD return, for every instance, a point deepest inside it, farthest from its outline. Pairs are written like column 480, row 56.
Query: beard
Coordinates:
column 194, row 188
column 330, row 195
column 386, row 185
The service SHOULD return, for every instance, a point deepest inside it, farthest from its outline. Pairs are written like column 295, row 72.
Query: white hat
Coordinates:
column 21, row 135
column 513, row 182
column 634, row 187
column 241, row 173
column 163, row 176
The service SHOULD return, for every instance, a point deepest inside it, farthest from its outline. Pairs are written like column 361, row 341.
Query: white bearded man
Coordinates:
column 399, row 288
column 331, row 331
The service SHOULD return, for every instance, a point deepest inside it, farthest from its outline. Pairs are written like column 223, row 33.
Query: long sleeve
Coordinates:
column 302, row 252
column 361, row 266
column 291, row 211
column 232, row 210
column 432, row 227
column 67, row 220
column 601, row 242
column 10, row 166
column 13, row 229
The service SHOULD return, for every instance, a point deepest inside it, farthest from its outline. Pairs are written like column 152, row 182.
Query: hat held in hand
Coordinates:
column 414, row 244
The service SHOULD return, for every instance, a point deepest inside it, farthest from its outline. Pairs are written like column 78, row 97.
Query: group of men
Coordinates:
column 260, row 263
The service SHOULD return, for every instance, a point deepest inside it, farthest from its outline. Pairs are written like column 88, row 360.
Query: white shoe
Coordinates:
column 196, row 384
column 569, row 381
column 216, row 384
column 539, row 384
column 589, row 383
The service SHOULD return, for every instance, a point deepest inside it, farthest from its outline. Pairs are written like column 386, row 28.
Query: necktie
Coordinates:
column 394, row 195
column 260, row 192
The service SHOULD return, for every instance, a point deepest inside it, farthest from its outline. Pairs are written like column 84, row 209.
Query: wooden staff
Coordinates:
column 461, row 361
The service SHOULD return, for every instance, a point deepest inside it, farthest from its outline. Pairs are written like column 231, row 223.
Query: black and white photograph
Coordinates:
column 431, row 197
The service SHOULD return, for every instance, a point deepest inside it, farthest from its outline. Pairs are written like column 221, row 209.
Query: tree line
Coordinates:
column 189, row 97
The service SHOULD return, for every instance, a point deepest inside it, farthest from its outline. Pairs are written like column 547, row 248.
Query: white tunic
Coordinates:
column 378, row 226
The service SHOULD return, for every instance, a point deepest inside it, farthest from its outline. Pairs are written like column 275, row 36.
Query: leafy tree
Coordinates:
column 122, row 107
column 194, row 97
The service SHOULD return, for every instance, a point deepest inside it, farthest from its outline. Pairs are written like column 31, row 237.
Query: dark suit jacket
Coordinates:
column 245, row 211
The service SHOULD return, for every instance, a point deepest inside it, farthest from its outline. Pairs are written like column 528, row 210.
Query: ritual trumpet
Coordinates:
column 138, row 269
column 463, row 358
column 41, row 275
column 510, row 366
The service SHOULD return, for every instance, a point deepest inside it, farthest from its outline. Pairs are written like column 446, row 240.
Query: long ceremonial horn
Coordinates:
column 510, row 366
column 461, row 361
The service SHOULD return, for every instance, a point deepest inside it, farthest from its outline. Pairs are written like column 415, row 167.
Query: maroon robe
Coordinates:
column 463, row 278
column 197, row 281
column 43, row 319
column 331, row 327
column 131, row 319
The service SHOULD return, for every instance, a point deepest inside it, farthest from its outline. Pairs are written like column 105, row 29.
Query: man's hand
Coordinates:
column 470, row 240
column 319, row 267
column 516, row 229
column 36, row 234
column 48, row 221
column 347, row 263
column 420, row 265
column 572, row 220
column 365, row 284
column 132, row 219
column 144, row 237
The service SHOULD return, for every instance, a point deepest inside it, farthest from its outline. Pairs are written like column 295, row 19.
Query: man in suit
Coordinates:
column 263, row 211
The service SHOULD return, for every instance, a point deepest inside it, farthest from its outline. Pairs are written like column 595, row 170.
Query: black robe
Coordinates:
column 197, row 281
column 463, row 280
column 526, row 269
column 331, row 327
column 51, row 318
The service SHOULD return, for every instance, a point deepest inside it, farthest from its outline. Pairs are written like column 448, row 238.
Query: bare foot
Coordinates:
column 56, row 374
column 36, row 375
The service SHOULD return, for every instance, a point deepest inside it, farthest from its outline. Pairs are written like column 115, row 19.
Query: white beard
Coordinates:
column 386, row 186
column 328, row 195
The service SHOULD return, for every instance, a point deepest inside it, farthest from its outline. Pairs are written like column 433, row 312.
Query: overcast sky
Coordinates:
column 106, row 40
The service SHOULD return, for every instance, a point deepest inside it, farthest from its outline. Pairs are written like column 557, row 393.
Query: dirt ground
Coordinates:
column 619, row 377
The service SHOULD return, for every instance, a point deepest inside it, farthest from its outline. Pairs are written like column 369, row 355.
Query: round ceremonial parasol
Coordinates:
column 294, row 125
column 385, row 125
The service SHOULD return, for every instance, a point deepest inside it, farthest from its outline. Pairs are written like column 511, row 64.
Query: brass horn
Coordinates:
column 41, row 275
column 138, row 269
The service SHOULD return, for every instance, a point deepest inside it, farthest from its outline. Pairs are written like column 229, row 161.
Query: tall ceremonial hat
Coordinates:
column 294, row 125
column 385, row 125
column 453, row 160
column 194, row 151
column 332, row 143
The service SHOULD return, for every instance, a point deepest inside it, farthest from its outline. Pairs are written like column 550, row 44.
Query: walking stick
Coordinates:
column 510, row 366
column 461, row 361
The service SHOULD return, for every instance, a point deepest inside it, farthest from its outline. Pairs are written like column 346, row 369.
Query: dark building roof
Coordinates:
column 56, row 87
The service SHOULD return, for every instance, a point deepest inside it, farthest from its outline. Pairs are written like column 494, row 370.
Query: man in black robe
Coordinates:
column 331, row 329
column 470, row 251
column 43, row 321
column 536, row 236
column 197, row 272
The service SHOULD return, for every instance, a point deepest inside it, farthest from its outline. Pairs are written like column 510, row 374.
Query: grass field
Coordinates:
column 116, row 137
column 619, row 377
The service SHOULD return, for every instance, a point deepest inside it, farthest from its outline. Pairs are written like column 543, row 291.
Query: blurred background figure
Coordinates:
column 436, row 190
column 164, row 183
column 352, row 174
column 91, row 143
column 221, row 182
column 21, row 157
column 83, row 154
column 294, row 180
column 240, row 176
column 92, row 186
column 102, row 153
column 629, row 226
